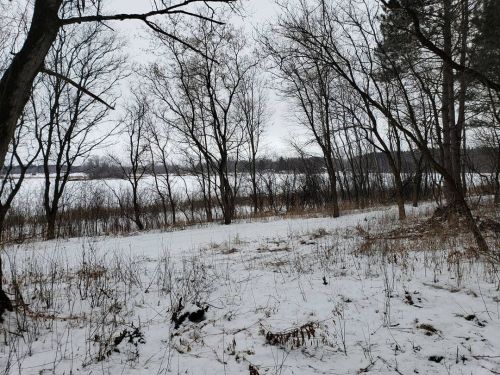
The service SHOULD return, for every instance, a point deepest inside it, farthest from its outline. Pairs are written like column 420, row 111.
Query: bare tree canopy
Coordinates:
column 42, row 30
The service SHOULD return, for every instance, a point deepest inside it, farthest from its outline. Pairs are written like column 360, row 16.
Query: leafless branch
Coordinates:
column 73, row 83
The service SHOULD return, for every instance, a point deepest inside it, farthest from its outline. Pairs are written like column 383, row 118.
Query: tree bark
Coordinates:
column 400, row 197
column 227, row 199
column 137, row 209
column 333, row 202
column 253, row 174
column 51, row 225
column 451, row 135
column 17, row 81
column 416, row 189
column 3, row 214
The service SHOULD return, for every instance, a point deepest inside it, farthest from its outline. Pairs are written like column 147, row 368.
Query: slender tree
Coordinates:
column 135, row 165
column 159, row 136
column 309, row 83
column 45, row 23
column 200, row 95
column 23, row 153
column 72, row 125
column 27, row 63
column 344, row 37
column 252, row 107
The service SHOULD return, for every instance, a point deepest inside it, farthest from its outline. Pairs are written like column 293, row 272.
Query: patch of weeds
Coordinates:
column 409, row 299
column 238, row 241
column 214, row 245
column 133, row 336
column 319, row 233
column 229, row 251
column 474, row 318
column 428, row 328
column 295, row 337
column 278, row 248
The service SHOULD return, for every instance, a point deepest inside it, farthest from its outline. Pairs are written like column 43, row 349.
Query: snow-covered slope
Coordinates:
column 296, row 296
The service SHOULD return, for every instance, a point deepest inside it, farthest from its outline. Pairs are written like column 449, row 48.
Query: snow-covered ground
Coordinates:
column 287, row 296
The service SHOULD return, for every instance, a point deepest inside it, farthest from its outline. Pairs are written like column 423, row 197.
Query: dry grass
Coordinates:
column 294, row 337
column 426, row 232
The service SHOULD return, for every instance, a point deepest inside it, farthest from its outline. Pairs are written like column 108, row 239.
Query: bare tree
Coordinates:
column 200, row 93
column 22, row 154
column 344, row 37
column 414, row 26
column 361, row 115
column 310, row 84
column 22, row 67
column 160, row 147
column 252, row 105
column 69, row 131
column 486, row 129
column 196, row 164
column 45, row 23
column 134, row 165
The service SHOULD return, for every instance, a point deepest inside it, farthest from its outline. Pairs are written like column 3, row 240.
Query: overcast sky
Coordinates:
column 256, row 12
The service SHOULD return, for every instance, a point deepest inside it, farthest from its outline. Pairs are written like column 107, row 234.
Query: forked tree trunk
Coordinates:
column 51, row 209
column 483, row 247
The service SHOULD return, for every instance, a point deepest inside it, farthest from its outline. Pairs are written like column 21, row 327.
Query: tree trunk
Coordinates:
column 255, row 200
column 451, row 140
column 496, row 199
column 400, row 196
column 3, row 214
column 417, row 182
column 171, row 199
column 462, row 207
column 17, row 80
column 332, row 178
column 227, row 199
column 138, row 221
column 458, row 152
column 458, row 205
column 207, row 192
column 173, row 209
column 137, row 211
column 51, row 225
column 396, row 172
column 5, row 304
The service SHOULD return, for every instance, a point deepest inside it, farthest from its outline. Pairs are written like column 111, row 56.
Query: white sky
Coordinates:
column 256, row 12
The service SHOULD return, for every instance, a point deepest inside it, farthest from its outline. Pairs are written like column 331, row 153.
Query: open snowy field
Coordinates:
column 81, row 191
column 295, row 296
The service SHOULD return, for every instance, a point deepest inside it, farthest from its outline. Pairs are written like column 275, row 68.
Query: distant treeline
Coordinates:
column 477, row 160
